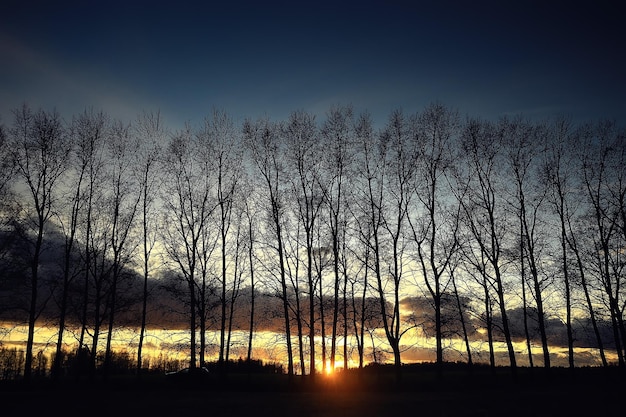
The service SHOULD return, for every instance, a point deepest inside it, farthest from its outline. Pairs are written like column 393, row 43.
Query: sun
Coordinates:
column 329, row 370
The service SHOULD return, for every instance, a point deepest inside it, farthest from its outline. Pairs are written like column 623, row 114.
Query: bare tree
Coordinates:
column 263, row 141
column 338, row 139
column 6, row 164
column 385, row 204
column 124, row 201
column 400, row 156
column 152, row 135
column 482, row 206
column 436, row 223
column 293, row 264
column 303, row 158
column 618, row 195
column 238, row 266
column 462, row 306
column 361, row 251
column 206, row 280
column 90, row 134
column 524, row 141
column 69, row 220
column 321, row 262
column 347, row 291
column 188, row 204
column 602, row 170
column 250, row 216
column 573, row 244
column 101, row 267
column 6, row 198
column 476, row 267
column 618, row 204
column 39, row 148
column 220, row 138
column 558, row 177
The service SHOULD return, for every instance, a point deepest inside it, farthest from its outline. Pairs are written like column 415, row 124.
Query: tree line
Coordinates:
column 434, row 223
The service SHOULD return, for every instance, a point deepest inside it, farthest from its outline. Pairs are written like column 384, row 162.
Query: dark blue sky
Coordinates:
column 257, row 58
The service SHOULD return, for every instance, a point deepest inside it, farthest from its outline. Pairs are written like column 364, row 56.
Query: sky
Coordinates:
column 254, row 59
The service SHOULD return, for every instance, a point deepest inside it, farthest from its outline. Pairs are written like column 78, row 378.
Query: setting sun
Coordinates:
column 329, row 369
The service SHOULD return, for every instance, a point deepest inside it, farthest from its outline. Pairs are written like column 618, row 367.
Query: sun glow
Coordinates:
column 330, row 370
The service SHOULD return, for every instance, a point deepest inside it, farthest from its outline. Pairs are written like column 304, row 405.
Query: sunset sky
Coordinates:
column 257, row 58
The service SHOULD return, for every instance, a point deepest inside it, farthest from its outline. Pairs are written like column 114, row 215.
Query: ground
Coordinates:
column 564, row 394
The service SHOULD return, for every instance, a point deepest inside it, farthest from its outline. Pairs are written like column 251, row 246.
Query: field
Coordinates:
column 586, row 392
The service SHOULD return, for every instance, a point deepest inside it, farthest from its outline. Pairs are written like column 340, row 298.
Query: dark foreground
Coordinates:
column 586, row 392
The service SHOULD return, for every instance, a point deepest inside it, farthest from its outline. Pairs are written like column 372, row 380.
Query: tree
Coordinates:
column 618, row 196
column 383, row 200
column 262, row 139
column 69, row 218
column 222, row 143
column 603, row 179
column 557, row 174
column 360, row 278
column 293, row 263
column 6, row 164
column 250, row 216
column 100, row 264
column 303, row 158
column 90, row 134
column 461, row 304
column 238, row 265
column 482, row 207
column 399, row 155
column 321, row 262
column 189, row 204
column 7, row 212
column 151, row 134
column 338, row 139
column 524, row 142
column 39, row 147
column 436, row 223
column 123, row 203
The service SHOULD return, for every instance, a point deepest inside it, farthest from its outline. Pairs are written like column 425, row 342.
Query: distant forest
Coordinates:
column 347, row 240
